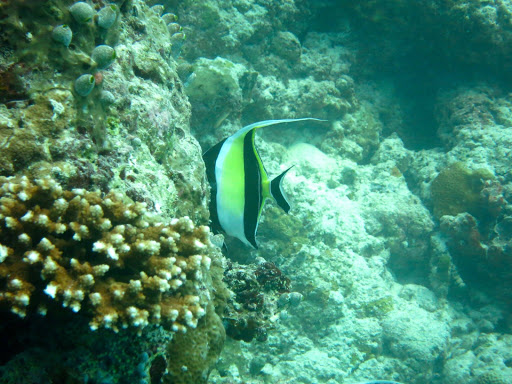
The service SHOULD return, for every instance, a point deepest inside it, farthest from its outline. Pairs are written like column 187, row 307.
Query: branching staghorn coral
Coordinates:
column 102, row 255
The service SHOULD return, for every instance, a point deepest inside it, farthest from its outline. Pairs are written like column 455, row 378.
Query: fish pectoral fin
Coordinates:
column 276, row 191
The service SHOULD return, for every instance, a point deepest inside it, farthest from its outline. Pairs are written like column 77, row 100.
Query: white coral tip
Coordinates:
column 51, row 290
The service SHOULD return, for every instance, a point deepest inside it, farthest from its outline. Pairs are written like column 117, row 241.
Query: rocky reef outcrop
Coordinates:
column 97, row 160
column 394, row 262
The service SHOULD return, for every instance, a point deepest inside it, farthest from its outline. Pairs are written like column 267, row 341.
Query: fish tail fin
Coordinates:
column 276, row 191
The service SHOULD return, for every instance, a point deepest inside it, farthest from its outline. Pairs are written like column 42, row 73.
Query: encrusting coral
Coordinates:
column 491, row 377
column 102, row 255
column 457, row 189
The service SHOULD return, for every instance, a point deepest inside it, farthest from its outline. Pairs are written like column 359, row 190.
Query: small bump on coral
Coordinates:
column 84, row 84
column 62, row 34
column 82, row 12
column 107, row 16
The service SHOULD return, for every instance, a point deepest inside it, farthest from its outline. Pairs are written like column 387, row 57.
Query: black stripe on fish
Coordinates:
column 253, row 189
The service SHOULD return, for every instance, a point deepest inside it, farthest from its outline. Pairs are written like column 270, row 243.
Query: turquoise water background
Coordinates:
column 395, row 261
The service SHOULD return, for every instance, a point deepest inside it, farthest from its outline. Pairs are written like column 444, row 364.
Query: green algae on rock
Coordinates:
column 378, row 308
column 214, row 90
column 491, row 378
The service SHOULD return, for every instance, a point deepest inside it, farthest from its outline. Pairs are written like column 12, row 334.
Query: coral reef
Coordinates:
column 491, row 378
column 259, row 290
column 59, row 347
column 487, row 359
column 475, row 195
column 214, row 88
column 483, row 259
column 421, row 342
column 192, row 355
column 100, row 255
column 139, row 133
column 114, row 264
column 394, row 261
column 259, row 66
column 463, row 33
column 457, row 189
column 129, row 133
column 74, row 30
column 363, row 245
column 475, row 126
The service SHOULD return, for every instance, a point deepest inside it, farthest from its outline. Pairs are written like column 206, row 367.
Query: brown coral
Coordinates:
column 491, row 378
column 192, row 355
column 483, row 260
column 102, row 255
column 458, row 189
column 256, row 289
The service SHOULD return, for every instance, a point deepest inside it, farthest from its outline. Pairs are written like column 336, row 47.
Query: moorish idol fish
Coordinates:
column 239, row 183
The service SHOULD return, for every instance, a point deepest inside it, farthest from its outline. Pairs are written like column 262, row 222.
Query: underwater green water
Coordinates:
column 161, row 224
